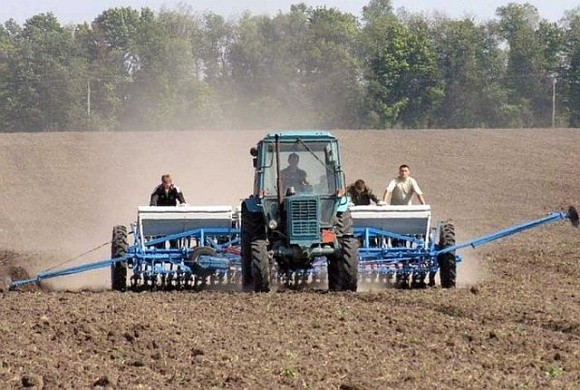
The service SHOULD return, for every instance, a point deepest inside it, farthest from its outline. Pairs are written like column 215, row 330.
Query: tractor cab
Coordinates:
column 299, row 179
column 306, row 167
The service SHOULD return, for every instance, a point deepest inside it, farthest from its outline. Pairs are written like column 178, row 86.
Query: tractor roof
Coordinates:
column 314, row 135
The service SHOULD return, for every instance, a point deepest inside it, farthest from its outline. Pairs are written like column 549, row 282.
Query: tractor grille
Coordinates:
column 304, row 219
column 303, row 228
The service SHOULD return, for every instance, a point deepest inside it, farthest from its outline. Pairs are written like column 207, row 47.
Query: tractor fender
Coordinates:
column 252, row 204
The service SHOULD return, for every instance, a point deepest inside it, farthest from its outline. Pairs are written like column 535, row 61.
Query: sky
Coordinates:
column 76, row 11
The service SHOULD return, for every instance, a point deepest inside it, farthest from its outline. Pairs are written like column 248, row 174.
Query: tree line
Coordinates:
column 309, row 67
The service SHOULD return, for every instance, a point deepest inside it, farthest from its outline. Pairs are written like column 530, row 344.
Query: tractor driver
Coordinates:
column 166, row 194
column 292, row 176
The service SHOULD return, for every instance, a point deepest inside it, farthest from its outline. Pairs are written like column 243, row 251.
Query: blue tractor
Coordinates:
column 298, row 212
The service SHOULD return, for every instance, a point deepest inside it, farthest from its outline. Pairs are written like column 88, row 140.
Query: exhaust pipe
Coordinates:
column 278, row 176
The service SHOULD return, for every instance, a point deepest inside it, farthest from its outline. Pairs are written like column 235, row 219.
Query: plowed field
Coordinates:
column 513, row 322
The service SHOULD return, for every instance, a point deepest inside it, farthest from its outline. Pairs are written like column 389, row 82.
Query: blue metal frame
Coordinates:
column 67, row 271
column 474, row 243
column 376, row 256
column 149, row 262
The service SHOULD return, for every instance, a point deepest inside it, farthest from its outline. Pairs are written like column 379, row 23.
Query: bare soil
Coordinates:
column 515, row 322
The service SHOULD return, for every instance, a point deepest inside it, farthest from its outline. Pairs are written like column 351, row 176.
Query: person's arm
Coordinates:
column 180, row 196
column 373, row 197
column 418, row 192
column 154, row 198
column 389, row 192
column 387, row 197
column 304, row 179
column 421, row 198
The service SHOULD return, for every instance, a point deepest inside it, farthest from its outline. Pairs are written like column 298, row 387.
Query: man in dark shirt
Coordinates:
column 166, row 194
column 360, row 194
column 292, row 176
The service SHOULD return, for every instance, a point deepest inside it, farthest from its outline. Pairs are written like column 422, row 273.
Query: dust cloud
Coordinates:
column 471, row 270
column 63, row 192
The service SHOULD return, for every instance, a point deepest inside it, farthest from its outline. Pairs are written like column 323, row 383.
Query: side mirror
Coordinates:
column 255, row 162
column 254, row 152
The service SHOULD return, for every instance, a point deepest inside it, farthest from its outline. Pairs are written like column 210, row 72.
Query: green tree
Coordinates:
column 267, row 82
column 377, row 9
column 6, row 50
column 401, row 72
column 471, row 64
column 298, row 68
column 175, row 73
column 331, row 68
column 217, row 37
column 423, row 84
column 533, row 45
column 112, row 43
column 569, row 83
column 47, row 76
column 309, row 67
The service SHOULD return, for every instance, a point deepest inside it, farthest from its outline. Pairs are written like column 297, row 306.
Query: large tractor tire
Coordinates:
column 253, row 227
column 343, row 266
column 261, row 274
column 446, row 261
column 119, row 248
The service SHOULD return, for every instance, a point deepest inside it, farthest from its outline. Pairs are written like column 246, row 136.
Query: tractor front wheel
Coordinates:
column 261, row 266
column 119, row 248
column 252, row 228
column 343, row 266
column 446, row 261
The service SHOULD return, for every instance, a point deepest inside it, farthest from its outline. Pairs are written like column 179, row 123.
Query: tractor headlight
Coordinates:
column 272, row 224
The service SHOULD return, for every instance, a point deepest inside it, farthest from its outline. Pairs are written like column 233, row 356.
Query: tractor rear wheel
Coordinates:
column 260, row 265
column 343, row 266
column 446, row 261
column 252, row 228
column 119, row 248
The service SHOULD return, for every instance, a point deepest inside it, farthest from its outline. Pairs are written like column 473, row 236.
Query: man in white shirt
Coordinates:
column 400, row 190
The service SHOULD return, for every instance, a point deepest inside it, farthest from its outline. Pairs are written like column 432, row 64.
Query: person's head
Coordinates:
column 404, row 171
column 166, row 181
column 293, row 160
column 360, row 186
